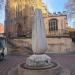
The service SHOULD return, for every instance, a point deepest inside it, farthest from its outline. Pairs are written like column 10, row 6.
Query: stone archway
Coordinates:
column 19, row 29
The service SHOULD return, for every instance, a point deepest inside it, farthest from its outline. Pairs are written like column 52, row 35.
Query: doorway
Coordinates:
column 19, row 30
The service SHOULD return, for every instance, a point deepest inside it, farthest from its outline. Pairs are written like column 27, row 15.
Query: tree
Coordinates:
column 70, row 7
column 1, row 3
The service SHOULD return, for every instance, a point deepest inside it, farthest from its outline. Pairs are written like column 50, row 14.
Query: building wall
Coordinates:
column 61, row 22
column 55, row 45
column 20, row 12
column 60, row 45
column 1, row 28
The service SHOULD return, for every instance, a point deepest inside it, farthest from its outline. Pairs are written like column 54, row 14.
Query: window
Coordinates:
column 53, row 25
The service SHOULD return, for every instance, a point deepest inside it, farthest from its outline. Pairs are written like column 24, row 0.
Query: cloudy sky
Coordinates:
column 53, row 6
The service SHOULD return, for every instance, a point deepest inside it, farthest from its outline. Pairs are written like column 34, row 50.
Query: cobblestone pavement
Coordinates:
column 10, row 61
column 67, row 61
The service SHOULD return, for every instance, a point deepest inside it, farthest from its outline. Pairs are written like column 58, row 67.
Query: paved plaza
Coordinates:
column 11, row 61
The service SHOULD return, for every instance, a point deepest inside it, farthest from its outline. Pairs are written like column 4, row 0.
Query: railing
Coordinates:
column 58, row 33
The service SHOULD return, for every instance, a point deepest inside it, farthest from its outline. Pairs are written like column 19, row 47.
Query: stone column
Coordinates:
column 39, row 44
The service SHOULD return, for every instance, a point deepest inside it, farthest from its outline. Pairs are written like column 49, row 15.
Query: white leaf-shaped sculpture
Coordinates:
column 39, row 44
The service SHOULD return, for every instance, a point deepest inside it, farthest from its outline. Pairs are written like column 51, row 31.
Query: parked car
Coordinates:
column 3, row 48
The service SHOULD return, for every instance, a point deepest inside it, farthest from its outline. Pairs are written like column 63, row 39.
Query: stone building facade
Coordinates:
column 56, row 23
column 19, row 18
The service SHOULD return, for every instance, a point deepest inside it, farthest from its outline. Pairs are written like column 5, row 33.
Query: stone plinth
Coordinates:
column 14, row 71
column 53, row 69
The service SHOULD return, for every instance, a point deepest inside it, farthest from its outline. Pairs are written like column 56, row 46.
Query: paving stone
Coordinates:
column 11, row 61
column 65, row 72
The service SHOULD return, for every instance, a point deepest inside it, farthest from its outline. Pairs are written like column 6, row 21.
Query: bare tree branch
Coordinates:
column 1, row 3
column 70, row 7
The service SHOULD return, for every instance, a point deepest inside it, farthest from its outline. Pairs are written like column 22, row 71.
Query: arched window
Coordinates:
column 53, row 25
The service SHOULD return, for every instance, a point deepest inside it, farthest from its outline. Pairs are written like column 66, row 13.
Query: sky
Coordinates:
column 52, row 5
column 2, row 16
column 55, row 5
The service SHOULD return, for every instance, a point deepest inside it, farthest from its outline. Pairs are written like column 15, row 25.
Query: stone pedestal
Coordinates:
column 40, row 65
column 52, row 69
column 21, row 71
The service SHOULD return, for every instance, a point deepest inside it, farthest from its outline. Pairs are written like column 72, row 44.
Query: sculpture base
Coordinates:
column 39, row 65
column 38, row 60
column 21, row 71
column 52, row 69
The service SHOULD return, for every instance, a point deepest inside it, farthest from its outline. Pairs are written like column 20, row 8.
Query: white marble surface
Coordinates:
column 38, row 60
column 39, row 44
